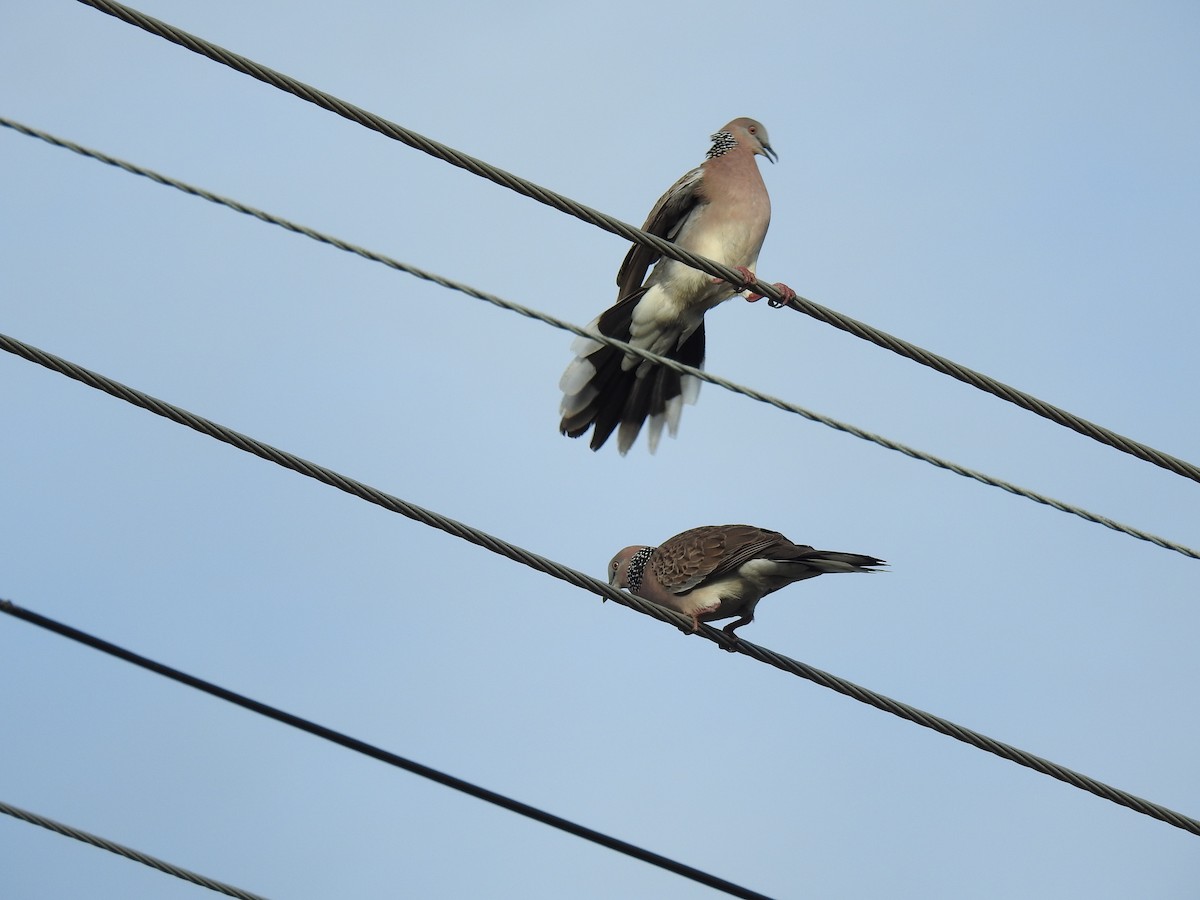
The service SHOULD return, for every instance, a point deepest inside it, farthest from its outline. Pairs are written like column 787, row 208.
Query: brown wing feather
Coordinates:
column 745, row 542
column 664, row 220
column 684, row 561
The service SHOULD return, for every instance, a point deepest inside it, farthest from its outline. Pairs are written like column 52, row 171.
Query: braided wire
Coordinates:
column 128, row 852
column 595, row 586
column 384, row 756
column 548, row 319
column 616, row 226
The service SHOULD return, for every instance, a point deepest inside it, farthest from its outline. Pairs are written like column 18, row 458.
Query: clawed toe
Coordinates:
column 788, row 296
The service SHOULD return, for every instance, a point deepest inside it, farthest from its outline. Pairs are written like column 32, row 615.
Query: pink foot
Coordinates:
column 788, row 296
column 747, row 280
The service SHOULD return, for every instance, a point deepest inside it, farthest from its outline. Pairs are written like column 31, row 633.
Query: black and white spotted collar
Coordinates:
column 637, row 568
column 723, row 142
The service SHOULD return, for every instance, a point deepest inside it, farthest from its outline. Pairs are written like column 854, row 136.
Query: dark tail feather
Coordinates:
column 671, row 389
column 829, row 561
column 605, row 412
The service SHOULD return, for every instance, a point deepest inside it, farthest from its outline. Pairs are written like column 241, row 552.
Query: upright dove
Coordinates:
column 717, row 571
column 719, row 210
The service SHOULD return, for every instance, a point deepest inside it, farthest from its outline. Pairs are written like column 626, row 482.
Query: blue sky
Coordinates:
column 1014, row 186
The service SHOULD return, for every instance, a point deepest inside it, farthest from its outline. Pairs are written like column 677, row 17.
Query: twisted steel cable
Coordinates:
column 599, row 588
column 121, row 850
column 616, row 226
column 548, row 319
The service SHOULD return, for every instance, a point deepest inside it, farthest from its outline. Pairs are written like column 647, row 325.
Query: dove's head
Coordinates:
column 743, row 132
column 618, row 567
column 627, row 567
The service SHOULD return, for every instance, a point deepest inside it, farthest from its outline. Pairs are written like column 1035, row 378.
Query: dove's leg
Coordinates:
column 747, row 279
column 733, row 626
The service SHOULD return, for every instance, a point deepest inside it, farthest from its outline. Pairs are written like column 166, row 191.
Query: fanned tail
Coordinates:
column 604, row 390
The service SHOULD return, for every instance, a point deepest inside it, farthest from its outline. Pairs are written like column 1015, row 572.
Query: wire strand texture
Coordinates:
column 121, row 850
column 548, row 319
column 616, row 226
column 595, row 586
column 378, row 753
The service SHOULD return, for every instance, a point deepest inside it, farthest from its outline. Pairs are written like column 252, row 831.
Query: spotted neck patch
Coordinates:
column 723, row 142
column 637, row 568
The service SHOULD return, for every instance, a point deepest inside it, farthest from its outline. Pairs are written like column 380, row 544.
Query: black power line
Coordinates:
column 384, row 756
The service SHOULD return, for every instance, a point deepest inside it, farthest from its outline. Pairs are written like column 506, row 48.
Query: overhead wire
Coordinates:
column 548, row 319
column 128, row 852
column 595, row 586
column 1179, row 466
column 384, row 756
column 609, row 223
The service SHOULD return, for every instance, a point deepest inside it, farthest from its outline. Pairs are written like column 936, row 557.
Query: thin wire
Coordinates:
column 385, row 756
column 616, row 226
column 575, row 329
column 129, row 853
column 600, row 588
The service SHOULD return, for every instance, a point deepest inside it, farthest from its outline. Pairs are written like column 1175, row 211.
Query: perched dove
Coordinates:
column 717, row 571
column 719, row 210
